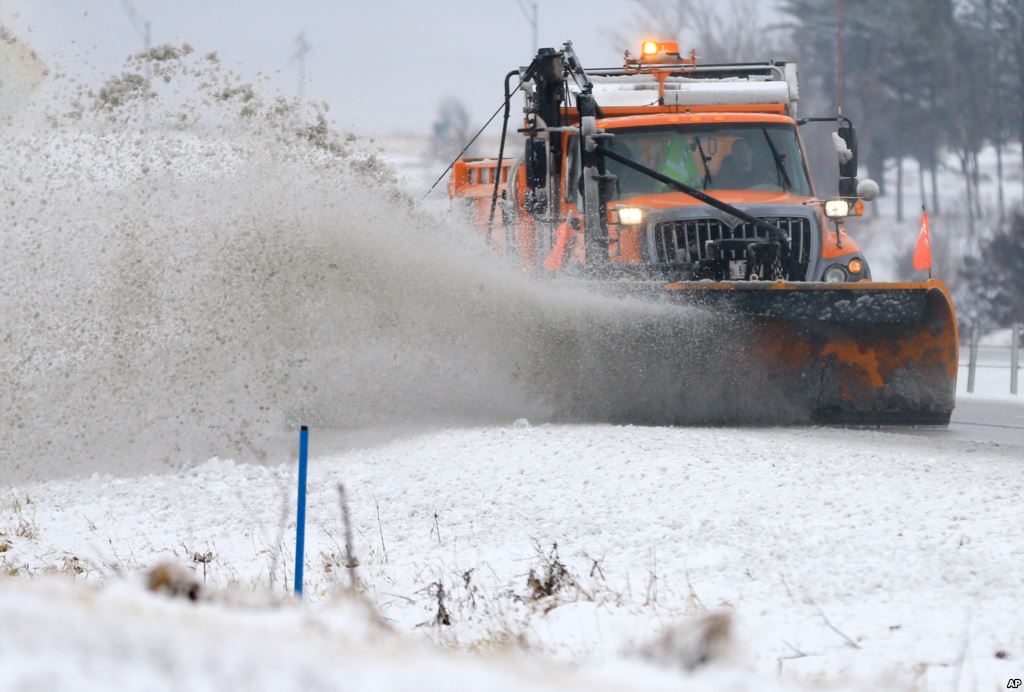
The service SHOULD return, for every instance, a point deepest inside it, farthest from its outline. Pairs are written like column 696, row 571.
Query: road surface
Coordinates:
column 991, row 414
column 993, row 421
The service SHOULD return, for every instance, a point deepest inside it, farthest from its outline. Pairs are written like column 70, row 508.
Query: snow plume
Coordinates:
column 191, row 269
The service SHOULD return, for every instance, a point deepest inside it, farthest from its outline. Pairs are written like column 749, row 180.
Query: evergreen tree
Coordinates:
column 994, row 281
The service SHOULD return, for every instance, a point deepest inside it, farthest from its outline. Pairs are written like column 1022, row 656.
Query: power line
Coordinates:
column 532, row 14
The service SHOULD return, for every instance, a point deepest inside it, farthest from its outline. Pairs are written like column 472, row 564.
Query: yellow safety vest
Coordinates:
column 681, row 163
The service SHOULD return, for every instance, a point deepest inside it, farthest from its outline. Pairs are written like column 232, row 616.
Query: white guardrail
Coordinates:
column 993, row 354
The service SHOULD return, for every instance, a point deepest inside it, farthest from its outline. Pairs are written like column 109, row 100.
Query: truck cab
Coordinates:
column 729, row 131
column 754, row 161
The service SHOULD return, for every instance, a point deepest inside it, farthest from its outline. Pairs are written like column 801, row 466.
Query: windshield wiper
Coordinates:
column 703, row 160
column 779, row 166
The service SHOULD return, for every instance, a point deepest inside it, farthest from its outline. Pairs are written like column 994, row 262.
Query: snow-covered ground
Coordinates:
column 864, row 559
column 61, row 636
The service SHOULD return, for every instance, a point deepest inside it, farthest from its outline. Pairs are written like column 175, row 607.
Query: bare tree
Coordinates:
column 663, row 19
column 736, row 31
column 450, row 130
column 1008, row 18
column 723, row 31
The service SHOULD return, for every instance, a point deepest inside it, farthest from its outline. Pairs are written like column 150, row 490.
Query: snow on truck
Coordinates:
column 688, row 182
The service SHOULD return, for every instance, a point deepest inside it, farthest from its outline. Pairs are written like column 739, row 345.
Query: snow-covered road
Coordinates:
column 989, row 420
column 861, row 557
column 978, row 420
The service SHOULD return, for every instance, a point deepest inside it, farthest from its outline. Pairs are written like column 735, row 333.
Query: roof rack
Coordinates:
column 677, row 84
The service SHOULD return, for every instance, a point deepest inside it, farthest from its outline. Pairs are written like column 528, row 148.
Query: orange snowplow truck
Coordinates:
column 688, row 183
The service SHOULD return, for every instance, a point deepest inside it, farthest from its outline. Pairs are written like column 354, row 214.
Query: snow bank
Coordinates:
column 863, row 558
column 58, row 636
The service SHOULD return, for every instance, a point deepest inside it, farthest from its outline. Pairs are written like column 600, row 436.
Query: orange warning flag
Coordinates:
column 923, row 251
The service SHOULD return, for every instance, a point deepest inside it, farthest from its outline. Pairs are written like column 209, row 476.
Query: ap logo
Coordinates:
column 1013, row 684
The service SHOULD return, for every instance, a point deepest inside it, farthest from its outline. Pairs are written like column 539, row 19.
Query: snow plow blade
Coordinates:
column 858, row 353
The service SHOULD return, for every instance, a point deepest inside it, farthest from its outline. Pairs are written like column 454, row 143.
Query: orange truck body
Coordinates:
column 877, row 352
column 471, row 186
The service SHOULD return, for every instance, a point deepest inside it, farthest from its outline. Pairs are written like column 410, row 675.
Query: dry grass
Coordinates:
column 72, row 565
column 69, row 566
column 499, row 640
column 22, row 527
column 200, row 558
column 551, row 579
column 7, row 569
column 442, row 618
column 174, row 580
column 331, row 561
column 691, row 643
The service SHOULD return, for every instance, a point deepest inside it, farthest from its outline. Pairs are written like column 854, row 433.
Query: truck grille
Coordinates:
column 684, row 241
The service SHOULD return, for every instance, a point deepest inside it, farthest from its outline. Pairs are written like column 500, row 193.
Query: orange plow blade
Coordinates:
column 859, row 353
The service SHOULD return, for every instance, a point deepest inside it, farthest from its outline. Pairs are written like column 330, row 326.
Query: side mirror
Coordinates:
column 848, row 158
column 845, row 141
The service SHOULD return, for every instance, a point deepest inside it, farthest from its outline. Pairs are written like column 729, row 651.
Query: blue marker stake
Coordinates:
column 300, row 523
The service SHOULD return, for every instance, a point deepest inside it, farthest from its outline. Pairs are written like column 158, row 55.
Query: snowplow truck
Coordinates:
column 689, row 183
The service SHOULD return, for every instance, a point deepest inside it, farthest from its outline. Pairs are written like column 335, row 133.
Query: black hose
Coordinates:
column 501, row 154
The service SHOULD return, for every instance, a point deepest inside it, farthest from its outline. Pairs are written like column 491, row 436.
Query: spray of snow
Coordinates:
column 21, row 71
column 189, row 268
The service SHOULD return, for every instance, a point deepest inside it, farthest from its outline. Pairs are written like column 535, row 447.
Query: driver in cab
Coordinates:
column 737, row 171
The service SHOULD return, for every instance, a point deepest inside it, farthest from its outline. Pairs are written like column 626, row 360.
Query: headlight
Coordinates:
column 630, row 216
column 835, row 274
column 837, row 208
column 856, row 266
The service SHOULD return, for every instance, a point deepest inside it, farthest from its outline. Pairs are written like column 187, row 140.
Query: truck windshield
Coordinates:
column 727, row 156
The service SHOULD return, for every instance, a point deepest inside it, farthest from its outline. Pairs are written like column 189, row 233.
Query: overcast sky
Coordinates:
column 382, row 66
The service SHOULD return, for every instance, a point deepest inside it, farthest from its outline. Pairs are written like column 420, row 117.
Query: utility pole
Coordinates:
column 144, row 29
column 532, row 14
column 139, row 23
column 839, row 57
column 302, row 49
